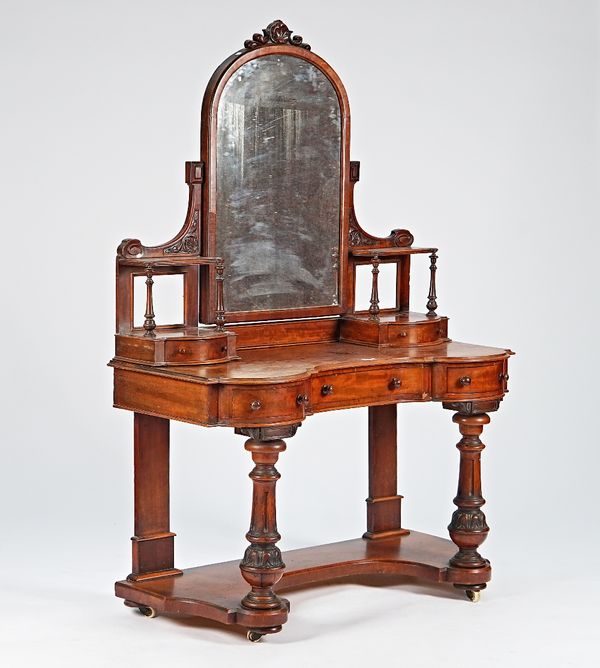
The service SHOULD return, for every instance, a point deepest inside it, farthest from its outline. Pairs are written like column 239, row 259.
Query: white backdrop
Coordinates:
column 476, row 124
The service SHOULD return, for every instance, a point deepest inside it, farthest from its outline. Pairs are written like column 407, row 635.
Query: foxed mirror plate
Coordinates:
column 278, row 186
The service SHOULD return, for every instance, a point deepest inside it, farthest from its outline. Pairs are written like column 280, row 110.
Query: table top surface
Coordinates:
column 294, row 362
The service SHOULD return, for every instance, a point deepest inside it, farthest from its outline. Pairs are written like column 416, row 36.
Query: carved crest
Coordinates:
column 275, row 33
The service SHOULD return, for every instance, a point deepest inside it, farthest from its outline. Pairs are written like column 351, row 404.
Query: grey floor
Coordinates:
column 65, row 616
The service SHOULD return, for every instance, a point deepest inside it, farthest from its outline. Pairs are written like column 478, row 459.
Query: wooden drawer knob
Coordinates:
column 326, row 390
column 302, row 400
column 395, row 383
column 255, row 405
column 503, row 376
column 464, row 380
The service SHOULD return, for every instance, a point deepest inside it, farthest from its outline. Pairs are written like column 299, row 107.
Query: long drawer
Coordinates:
column 349, row 387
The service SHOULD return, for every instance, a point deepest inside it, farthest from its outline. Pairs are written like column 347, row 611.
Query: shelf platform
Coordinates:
column 395, row 251
column 214, row 592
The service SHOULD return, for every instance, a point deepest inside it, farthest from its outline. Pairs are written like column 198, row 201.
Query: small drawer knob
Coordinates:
column 464, row 380
column 395, row 383
column 302, row 399
column 503, row 376
column 326, row 390
column 402, row 334
column 255, row 405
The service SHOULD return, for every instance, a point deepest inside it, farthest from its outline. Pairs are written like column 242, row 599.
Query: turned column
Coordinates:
column 262, row 566
column 468, row 527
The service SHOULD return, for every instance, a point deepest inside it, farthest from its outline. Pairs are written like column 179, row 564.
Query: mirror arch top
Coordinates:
column 283, row 257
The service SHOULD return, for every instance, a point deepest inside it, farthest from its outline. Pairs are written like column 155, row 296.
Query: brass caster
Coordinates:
column 254, row 636
column 147, row 611
column 473, row 596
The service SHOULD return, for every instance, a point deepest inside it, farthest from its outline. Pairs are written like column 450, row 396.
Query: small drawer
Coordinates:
column 252, row 405
column 354, row 387
column 433, row 331
column 197, row 351
column 456, row 381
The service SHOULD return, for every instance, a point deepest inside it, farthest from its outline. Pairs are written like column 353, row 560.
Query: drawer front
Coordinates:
column 255, row 405
column 196, row 351
column 165, row 397
column 458, row 381
column 426, row 332
column 354, row 387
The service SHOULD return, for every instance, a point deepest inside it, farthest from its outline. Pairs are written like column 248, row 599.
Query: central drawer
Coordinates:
column 354, row 387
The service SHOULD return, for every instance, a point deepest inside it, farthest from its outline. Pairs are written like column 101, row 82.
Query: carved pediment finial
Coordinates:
column 275, row 33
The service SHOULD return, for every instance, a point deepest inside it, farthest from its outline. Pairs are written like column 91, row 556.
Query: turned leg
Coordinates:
column 468, row 527
column 384, row 502
column 153, row 543
column 262, row 566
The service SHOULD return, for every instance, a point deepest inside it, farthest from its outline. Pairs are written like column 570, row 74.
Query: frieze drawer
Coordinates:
column 254, row 405
column 457, row 381
column 348, row 388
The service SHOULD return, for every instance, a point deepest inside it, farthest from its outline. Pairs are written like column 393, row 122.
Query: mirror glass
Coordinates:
column 278, row 186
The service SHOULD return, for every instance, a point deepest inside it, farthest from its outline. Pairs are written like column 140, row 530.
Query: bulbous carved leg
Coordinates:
column 262, row 566
column 468, row 527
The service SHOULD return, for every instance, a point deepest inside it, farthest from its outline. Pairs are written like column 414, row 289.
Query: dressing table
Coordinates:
column 271, row 333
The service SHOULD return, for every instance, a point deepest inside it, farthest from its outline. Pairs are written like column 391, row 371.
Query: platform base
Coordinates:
column 214, row 592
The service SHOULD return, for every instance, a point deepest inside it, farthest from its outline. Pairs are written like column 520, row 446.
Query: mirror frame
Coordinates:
column 208, row 149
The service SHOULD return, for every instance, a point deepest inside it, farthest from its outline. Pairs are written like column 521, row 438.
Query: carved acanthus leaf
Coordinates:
column 189, row 243
column 273, row 433
column 257, row 556
column 275, row 33
column 468, row 520
column 472, row 407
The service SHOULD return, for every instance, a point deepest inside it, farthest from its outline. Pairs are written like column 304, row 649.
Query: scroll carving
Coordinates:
column 187, row 241
column 358, row 237
column 275, row 33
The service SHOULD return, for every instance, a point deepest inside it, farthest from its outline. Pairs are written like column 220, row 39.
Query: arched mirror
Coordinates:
column 277, row 160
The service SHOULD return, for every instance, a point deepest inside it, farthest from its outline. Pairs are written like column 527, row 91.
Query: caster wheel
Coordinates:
column 473, row 596
column 147, row 611
column 254, row 636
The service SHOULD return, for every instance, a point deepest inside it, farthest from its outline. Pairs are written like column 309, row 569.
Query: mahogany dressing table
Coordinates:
column 271, row 334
